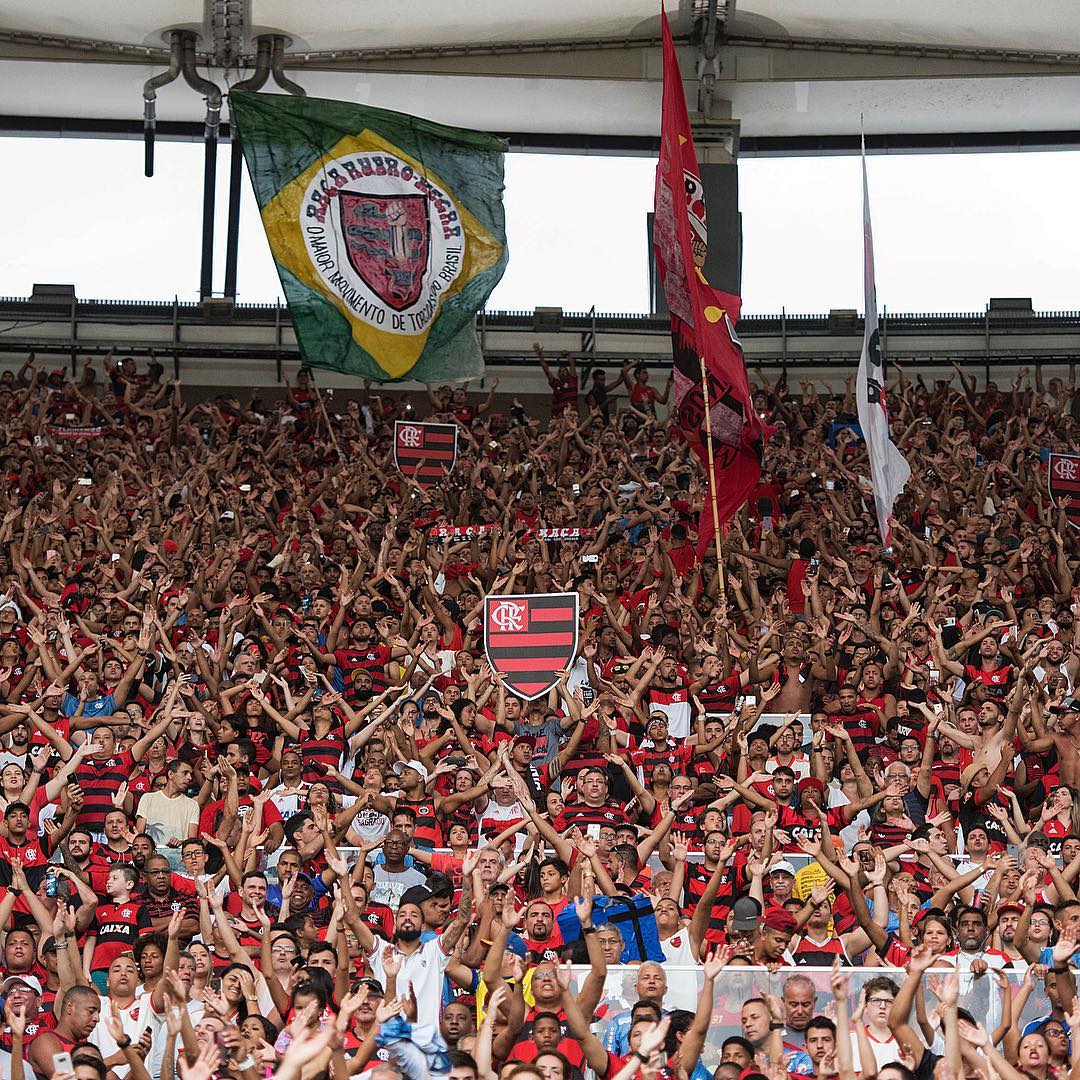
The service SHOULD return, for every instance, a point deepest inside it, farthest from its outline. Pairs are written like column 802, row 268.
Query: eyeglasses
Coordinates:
column 880, row 1001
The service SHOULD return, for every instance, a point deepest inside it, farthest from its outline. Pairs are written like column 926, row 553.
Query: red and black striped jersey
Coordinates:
column 583, row 815
column 100, row 779
column 373, row 660
column 427, row 835
column 325, row 750
column 720, row 697
column 117, row 928
column 677, row 757
column 861, row 725
column 810, row 953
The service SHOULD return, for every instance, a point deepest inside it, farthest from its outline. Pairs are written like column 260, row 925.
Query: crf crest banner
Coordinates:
column 1063, row 479
column 528, row 639
column 425, row 452
column 387, row 231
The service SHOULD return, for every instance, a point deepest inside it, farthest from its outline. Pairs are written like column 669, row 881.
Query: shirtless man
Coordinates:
column 803, row 659
column 1064, row 740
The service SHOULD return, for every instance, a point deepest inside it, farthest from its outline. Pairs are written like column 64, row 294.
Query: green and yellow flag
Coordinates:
column 387, row 231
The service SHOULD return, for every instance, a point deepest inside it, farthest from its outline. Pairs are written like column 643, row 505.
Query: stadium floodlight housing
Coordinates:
column 549, row 319
column 52, row 294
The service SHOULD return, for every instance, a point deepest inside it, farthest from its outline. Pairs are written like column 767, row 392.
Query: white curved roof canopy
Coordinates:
column 579, row 67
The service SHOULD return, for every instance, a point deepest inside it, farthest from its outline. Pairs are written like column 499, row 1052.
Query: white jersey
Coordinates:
column 423, row 970
column 136, row 1018
column 682, row 974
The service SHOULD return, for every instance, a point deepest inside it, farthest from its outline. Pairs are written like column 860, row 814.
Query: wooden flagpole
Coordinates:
column 712, row 476
column 326, row 419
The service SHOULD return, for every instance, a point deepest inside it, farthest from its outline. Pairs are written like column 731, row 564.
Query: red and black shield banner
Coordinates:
column 529, row 638
column 388, row 240
column 426, row 452
column 1063, row 478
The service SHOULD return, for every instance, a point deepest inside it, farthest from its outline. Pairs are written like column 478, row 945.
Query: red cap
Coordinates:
column 525, row 740
column 811, row 782
column 861, row 551
column 171, row 547
column 779, row 919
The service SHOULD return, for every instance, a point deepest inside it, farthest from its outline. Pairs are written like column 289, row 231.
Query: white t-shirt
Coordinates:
column 849, row 834
column 167, row 819
column 156, row 1058
column 799, row 765
column 682, row 992
column 423, row 970
column 288, row 801
column 885, row 1053
column 390, row 885
column 136, row 1018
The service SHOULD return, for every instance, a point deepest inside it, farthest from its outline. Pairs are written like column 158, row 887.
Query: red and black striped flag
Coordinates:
column 529, row 638
column 426, row 452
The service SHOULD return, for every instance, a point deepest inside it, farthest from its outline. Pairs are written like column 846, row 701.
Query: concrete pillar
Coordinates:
column 716, row 139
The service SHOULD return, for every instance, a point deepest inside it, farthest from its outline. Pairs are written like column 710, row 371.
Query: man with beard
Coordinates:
column 803, row 660
column 541, row 933
column 419, row 969
column 1008, row 916
column 971, row 935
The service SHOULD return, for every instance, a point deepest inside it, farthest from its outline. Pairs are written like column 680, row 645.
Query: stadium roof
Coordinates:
column 580, row 68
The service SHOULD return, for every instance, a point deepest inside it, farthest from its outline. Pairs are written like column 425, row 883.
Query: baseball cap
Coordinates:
column 526, row 740
column 779, row 919
column 811, row 783
column 860, row 551
column 401, row 766
column 416, row 895
column 29, row 981
column 745, row 914
column 783, row 867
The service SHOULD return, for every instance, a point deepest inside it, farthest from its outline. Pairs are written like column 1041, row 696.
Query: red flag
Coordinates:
column 702, row 318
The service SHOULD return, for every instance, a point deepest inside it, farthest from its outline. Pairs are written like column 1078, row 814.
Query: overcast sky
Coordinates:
column 951, row 230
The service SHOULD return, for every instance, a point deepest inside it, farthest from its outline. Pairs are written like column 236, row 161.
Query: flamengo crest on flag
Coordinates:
column 425, row 452
column 387, row 231
column 1063, row 478
column 702, row 318
column 529, row 638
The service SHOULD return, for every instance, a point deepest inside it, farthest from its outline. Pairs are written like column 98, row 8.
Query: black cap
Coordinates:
column 745, row 914
column 416, row 895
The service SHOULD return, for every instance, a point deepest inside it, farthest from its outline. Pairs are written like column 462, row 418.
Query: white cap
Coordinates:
column 29, row 981
column 417, row 765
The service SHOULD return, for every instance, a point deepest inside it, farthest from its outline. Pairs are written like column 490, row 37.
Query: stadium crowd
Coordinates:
column 267, row 809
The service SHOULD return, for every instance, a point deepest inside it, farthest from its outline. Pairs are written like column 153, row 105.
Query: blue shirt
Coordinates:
column 617, row 1036
column 103, row 705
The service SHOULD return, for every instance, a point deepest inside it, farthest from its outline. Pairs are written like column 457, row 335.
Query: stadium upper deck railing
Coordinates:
column 52, row 323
